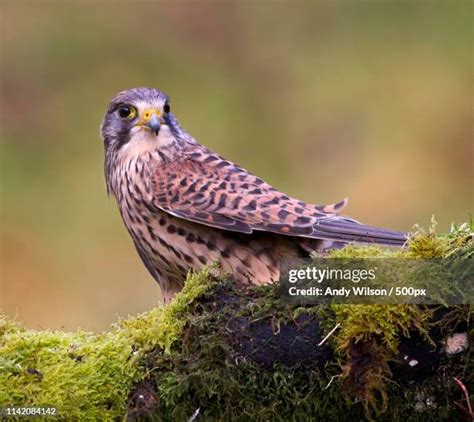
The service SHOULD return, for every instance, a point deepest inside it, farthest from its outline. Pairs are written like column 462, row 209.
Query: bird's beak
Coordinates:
column 151, row 120
column 153, row 123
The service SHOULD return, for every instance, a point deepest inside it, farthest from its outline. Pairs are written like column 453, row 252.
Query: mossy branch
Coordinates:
column 221, row 353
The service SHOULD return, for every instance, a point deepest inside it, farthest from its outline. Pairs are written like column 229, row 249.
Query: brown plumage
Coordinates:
column 186, row 207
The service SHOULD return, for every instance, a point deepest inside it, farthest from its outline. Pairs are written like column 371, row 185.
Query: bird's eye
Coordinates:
column 166, row 108
column 127, row 112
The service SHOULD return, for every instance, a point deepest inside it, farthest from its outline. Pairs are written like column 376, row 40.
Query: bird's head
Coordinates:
column 138, row 120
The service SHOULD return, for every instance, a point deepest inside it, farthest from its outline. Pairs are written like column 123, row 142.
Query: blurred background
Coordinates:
column 323, row 99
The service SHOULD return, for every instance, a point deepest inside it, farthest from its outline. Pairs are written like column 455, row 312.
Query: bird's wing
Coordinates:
column 207, row 189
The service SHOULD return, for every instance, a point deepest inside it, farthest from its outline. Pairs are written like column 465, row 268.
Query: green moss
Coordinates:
column 239, row 354
column 75, row 372
column 367, row 340
column 162, row 326
column 381, row 327
column 386, row 322
column 82, row 374
column 216, row 369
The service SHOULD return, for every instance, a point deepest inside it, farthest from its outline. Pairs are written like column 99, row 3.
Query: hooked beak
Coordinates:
column 151, row 119
column 153, row 123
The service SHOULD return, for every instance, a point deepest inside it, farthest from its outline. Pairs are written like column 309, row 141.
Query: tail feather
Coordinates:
column 347, row 230
column 333, row 208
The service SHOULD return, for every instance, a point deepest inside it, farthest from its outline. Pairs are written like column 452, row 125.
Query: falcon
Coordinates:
column 186, row 207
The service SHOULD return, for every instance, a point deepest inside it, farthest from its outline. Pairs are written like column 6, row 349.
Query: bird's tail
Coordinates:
column 345, row 230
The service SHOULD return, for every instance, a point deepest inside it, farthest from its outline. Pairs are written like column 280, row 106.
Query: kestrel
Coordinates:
column 186, row 207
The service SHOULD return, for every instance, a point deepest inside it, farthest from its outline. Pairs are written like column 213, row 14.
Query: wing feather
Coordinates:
column 205, row 188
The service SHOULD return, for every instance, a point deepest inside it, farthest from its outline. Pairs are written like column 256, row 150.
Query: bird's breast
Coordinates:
column 171, row 246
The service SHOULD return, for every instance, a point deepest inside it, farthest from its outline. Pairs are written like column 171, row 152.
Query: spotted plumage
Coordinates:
column 186, row 207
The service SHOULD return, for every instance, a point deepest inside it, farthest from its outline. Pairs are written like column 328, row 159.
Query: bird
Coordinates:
column 186, row 207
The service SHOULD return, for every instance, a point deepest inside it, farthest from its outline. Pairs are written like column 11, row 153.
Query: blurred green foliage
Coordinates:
column 371, row 100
